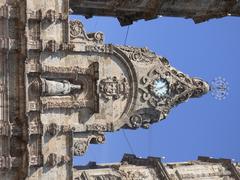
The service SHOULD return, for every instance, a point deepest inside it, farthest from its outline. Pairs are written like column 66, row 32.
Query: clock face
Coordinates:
column 160, row 87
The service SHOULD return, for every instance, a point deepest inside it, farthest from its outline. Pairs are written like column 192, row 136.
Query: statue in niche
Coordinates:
column 58, row 88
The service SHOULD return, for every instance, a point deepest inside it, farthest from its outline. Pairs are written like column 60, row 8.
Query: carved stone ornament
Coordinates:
column 36, row 160
column 149, row 92
column 167, row 89
column 53, row 129
column 121, row 174
column 52, row 46
column 62, row 102
column 76, row 28
column 133, row 175
column 100, row 127
column 52, row 159
column 77, row 31
column 80, row 146
column 58, row 88
column 51, row 15
column 112, row 88
column 141, row 55
column 107, row 177
column 35, row 128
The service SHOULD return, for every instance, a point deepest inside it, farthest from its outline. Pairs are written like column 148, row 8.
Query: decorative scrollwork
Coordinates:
column 136, row 121
column 155, row 89
column 141, row 55
column 76, row 28
column 80, row 146
column 77, row 31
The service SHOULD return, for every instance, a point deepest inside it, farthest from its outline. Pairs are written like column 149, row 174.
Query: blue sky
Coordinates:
column 201, row 126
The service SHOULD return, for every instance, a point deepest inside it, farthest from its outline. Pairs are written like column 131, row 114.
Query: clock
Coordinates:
column 160, row 87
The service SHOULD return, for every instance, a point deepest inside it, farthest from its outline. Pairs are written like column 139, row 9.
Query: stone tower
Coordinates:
column 62, row 88
column 128, row 11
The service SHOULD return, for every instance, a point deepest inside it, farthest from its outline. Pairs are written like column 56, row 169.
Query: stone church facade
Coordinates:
column 152, row 168
column 61, row 88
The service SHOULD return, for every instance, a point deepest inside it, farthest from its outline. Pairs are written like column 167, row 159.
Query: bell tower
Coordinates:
column 62, row 88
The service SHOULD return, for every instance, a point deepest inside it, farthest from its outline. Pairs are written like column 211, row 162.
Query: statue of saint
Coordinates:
column 58, row 88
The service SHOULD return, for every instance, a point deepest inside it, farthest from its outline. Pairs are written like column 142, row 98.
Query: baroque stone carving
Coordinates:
column 35, row 128
column 100, row 127
column 52, row 46
column 66, row 87
column 112, row 88
column 52, row 159
column 36, row 160
column 151, row 168
column 80, row 146
column 77, row 31
column 57, row 88
column 64, row 70
column 148, row 92
column 133, row 175
column 50, row 15
column 142, row 55
column 53, row 129
column 65, row 102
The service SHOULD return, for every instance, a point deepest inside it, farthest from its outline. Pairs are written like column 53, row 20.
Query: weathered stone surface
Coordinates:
column 128, row 11
column 133, row 168
column 62, row 88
